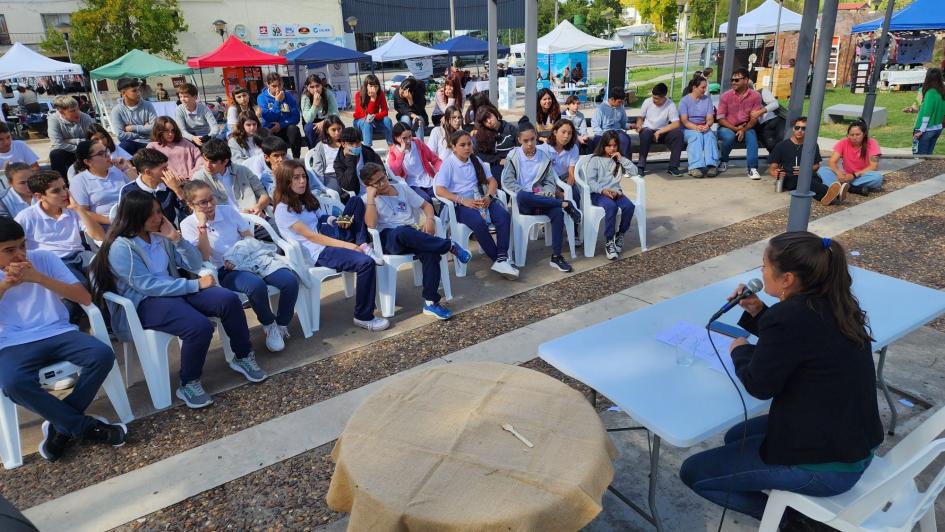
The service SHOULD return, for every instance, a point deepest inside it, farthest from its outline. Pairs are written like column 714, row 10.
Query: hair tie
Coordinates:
column 826, row 241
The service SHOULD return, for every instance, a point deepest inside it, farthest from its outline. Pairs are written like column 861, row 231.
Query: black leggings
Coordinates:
column 293, row 137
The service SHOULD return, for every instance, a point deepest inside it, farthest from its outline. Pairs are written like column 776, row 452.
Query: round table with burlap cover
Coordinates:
column 428, row 452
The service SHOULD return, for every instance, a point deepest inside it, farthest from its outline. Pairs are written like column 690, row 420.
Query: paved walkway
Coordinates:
column 159, row 485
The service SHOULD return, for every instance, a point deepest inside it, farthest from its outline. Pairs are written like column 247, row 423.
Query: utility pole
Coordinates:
column 799, row 213
column 805, row 45
column 878, row 58
column 556, row 13
column 728, row 60
column 452, row 18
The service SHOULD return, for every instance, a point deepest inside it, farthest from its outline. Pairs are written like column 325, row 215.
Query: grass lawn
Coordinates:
column 640, row 74
column 897, row 133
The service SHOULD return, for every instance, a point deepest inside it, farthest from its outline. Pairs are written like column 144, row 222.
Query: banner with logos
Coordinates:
column 281, row 39
column 421, row 67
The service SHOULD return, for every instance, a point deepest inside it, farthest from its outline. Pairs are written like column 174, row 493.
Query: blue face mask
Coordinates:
column 355, row 151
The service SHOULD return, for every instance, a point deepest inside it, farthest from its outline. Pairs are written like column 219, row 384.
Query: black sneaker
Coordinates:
column 641, row 170
column 675, row 172
column 104, row 432
column 557, row 261
column 862, row 191
column 54, row 443
column 712, row 171
column 573, row 213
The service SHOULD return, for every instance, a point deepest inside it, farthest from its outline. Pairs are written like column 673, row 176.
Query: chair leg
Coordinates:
column 156, row 370
column 520, row 243
column 348, row 278
column 445, row 278
column 126, row 348
column 115, row 390
column 771, row 519
column 417, row 273
column 302, row 311
column 225, row 341
column 315, row 305
column 591, row 228
column 927, row 523
column 569, row 227
column 547, row 227
column 10, row 451
column 387, row 289
column 641, row 227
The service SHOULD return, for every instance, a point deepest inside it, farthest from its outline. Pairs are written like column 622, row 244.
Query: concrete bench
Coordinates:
column 836, row 113
column 660, row 148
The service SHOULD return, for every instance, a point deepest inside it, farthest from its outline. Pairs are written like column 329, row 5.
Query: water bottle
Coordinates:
column 915, row 146
column 482, row 211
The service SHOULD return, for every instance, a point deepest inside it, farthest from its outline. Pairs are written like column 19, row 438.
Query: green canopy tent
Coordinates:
column 134, row 64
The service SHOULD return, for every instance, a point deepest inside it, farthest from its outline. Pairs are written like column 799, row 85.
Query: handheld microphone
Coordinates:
column 753, row 287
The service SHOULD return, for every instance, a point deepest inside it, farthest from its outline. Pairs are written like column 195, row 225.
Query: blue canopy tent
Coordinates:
column 466, row 45
column 321, row 53
column 919, row 15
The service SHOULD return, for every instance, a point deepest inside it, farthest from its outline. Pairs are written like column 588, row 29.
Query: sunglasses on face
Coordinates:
column 736, row 80
column 800, row 128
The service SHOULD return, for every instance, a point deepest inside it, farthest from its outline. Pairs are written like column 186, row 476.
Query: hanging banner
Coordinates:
column 281, row 39
column 420, row 68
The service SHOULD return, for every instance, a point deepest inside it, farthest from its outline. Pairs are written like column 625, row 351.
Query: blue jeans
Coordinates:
column 417, row 128
column 132, row 146
column 751, row 145
column 367, row 129
column 702, row 149
column 406, row 240
column 256, row 289
column 346, row 260
column 311, row 137
column 187, row 318
column 734, row 475
column 529, row 203
column 610, row 207
column 20, row 365
column 869, row 179
column 927, row 142
column 495, row 249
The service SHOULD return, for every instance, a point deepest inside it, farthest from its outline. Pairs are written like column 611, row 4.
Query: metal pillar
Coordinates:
column 492, row 16
column 452, row 18
column 728, row 61
column 774, row 63
column 672, row 82
column 878, row 59
column 805, row 45
column 800, row 199
column 531, row 58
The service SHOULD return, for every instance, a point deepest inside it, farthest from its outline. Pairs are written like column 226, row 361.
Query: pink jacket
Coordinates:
column 395, row 159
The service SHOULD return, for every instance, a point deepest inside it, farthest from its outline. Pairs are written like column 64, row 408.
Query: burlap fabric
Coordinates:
column 428, row 452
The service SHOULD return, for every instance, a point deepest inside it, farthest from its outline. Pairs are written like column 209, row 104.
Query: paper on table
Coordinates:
column 690, row 334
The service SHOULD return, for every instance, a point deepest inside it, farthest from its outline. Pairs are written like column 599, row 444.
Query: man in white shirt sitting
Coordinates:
column 659, row 122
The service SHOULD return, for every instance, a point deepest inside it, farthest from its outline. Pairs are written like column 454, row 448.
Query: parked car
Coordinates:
column 394, row 83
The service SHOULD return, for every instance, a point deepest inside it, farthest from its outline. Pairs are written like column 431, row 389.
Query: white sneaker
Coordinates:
column 369, row 251
column 285, row 331
column 505, row 269
column 753, row 174
column 61, row 384
column 374, row 324
column 274, row 341
column 723, row 166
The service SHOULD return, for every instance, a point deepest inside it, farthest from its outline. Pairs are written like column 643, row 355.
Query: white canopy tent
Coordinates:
column 566, row 38
column 22, row 62
column 765, row 18
column 400, row 48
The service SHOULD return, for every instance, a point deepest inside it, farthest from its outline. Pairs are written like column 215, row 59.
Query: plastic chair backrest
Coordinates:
column 912, row 444
column 310, row 160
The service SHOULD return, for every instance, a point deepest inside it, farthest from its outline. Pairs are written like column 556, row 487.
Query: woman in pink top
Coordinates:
column 412, row 160
column 183, row 158
column 860, row 155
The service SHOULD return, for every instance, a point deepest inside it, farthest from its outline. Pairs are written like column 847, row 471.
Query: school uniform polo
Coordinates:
column 395, row 211
column 31, row 311
column 61, row 236
column 223, row 231
column 155, row 255
column 415, row 174
column 11, row 203
column 560, row 162
column 20, row 152
column 285, row 218
column 96, row 193
column 529, row 167
column 459, row 177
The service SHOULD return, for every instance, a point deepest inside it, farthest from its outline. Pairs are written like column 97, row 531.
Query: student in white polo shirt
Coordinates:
column 35, row 332
column 97, row 185
column 55, row 224
column 18, row 196
column 12, row 151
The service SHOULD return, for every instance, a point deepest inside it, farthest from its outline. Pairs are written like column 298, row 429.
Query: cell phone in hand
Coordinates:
column 728, row 330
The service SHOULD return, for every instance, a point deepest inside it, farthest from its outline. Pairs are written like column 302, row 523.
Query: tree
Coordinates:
column 104, row 30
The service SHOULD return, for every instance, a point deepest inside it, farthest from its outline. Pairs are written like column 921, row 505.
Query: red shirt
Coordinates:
column 735, row 108
column 377, row 107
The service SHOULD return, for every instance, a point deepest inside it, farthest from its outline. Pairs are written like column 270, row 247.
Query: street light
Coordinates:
column 352, row 22
column 220, row 26
column 681, row 6
column 65, row 28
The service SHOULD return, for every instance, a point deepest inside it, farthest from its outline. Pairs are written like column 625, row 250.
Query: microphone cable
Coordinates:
column 741, row 449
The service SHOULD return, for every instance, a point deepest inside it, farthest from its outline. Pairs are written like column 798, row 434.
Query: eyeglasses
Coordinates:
column 204, row 203
column 98, row 153
column 734, row 80
column 800, row 128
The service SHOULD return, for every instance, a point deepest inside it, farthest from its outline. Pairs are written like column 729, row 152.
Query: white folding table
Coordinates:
column 622, row 359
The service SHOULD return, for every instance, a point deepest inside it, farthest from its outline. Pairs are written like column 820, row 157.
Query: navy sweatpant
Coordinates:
column 19, row 369
column 346, row 260
column 357, row 232
column 256, row 289
column 610, row 213
column 406, row 240
column 495, row 249
column 533, row 204
column 187, row 317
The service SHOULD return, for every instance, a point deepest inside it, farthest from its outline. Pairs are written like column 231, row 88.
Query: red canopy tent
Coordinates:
column 234, row 52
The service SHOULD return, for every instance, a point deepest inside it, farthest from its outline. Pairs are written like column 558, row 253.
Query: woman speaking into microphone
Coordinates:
column 814, row 361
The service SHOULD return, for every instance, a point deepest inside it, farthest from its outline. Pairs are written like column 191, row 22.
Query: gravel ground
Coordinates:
column 172, row 431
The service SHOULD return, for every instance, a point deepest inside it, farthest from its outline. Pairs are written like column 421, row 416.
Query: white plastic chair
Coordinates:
column 310, row 166
column 522, row 225
column 594, row 215
column 387, row 274
column 10, row 451
column 886, row 497
column 461, row 233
